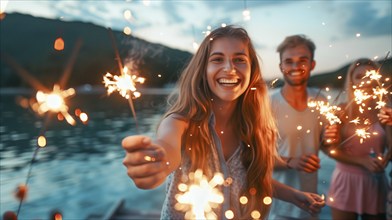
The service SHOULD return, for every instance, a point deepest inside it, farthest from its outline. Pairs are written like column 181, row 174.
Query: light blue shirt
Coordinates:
column 299, row 134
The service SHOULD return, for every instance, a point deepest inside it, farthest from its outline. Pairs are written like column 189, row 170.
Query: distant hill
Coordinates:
column 29, row 41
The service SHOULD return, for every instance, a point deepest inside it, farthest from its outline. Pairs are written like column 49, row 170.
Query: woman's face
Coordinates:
column 358, row 76
column 228, row 69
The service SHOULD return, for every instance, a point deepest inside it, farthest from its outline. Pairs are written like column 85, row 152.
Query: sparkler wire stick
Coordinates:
column 120, row 66
column 70, row 64
column 33, row 159
column 382, row 64
column 42, row 90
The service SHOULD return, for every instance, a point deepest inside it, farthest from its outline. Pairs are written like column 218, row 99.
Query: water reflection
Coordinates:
column 80, row 170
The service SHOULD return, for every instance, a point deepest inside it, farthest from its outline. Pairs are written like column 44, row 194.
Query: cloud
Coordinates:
column 172, row 11
column 368, row 20
column 235, row 5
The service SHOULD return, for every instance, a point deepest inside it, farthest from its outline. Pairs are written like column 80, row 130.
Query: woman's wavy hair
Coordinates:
column 193, row 101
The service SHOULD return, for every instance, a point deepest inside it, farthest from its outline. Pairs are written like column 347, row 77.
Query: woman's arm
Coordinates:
column 367, row 162
column 149, row 162
column 309, row 202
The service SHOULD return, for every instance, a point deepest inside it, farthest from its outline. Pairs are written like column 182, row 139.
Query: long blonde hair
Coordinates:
column 256, row 126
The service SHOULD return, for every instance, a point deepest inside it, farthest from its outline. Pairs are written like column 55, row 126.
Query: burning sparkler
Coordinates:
column 124, row 83
column 327, row 110
column 199, row 198
column 54, row 102
column 46, row 102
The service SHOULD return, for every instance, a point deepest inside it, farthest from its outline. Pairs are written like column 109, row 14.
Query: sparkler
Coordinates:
column 361, row 96
column 326, row 109
column 124, row 83
column 46, row 102
column 199, row 198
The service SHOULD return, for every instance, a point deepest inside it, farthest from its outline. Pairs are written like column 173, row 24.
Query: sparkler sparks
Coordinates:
column 54, row 102
column 362, row 133
column 327, row 110
column 124, row 84
column 199, row 198
column 361, row 96
column 48, row 101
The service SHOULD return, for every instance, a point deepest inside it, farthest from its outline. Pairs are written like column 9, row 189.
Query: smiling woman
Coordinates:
column 219, row 122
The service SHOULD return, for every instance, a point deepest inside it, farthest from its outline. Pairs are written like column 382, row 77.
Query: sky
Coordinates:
column 343, row 30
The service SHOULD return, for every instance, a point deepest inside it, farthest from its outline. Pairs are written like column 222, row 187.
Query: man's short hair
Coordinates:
column 296, row 40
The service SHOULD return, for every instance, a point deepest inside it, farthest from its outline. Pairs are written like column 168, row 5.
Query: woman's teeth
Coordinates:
column 228, row 81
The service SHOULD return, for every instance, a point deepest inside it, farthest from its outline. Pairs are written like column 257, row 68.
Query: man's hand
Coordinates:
column 307, row 163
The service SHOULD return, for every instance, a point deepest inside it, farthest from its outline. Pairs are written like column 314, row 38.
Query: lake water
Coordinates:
column 80, row 171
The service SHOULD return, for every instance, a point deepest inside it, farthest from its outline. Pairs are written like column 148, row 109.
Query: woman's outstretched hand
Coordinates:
column 145, row 161
column 309, row 202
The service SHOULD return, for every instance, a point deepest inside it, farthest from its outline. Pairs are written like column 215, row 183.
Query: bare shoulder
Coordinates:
column 174, row 123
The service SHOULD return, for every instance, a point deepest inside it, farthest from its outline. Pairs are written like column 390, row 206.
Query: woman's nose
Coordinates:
column 229, row 67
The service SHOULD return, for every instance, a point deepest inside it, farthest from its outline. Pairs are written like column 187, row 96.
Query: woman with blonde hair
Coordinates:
column 219, row 120
column 359, row 185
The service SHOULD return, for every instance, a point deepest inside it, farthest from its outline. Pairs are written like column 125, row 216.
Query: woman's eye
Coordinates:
column 216, row 59
column 239, row 60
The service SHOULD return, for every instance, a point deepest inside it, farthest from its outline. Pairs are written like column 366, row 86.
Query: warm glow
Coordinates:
column 54, row 102
column 327, row 110
column 123, row 84
column 243, row 200
column 21, row 192
column 83, row 117
column 148, row 158
column 267, row 200
column 41, row 141
column 127, row 14
column 59, row 44
column 58, row 216
column 229, row 214
column 255, row 214
column 199, row 198
column 127, row 30
column 78, row 112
